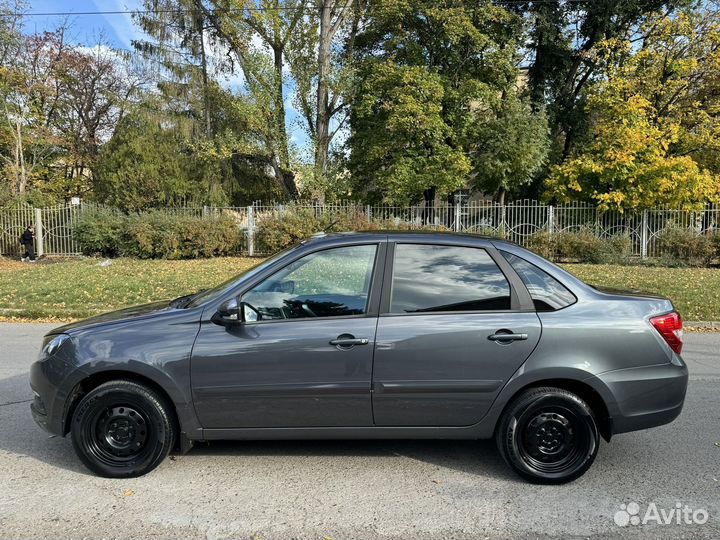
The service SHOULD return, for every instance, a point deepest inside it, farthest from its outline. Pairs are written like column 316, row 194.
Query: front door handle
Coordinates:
column 506, row 337
column 347, row 341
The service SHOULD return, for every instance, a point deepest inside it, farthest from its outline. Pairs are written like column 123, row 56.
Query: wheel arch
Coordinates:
column 589, row 388
column 93, row 380
column 581, row 389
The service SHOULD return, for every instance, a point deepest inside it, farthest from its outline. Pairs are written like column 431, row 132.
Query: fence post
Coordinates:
column 368, row 213
column 250, row 232
column 458, row 214
column 644, row 235
column 550, row 219
column 39, row 244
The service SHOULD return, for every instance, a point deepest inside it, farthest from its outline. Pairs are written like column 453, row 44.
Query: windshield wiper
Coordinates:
column 182, row 301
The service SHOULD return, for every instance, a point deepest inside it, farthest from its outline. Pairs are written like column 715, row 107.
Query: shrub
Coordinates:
column 581, row 246
column 715, row 239
column 99, row 232
column 684, row 245
column 156, row 234
column 542, row 243
column 280, row 230
column 161, row 235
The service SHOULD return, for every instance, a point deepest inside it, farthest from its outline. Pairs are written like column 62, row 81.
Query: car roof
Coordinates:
column 438, row 236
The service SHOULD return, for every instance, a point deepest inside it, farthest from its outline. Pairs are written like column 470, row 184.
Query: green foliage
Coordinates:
column 162, row 235
column 280, row 230
column 561, row 36
column 157, row 235
column 100, row 231
column 581, row 246
column 402, row 145
column 436, row 103
column 508, row 145
column 685, row 246
column 656, row 133
column 143, row 166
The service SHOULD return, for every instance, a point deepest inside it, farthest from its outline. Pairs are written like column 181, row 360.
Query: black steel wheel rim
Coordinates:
column 119, row 434
column 554, row 440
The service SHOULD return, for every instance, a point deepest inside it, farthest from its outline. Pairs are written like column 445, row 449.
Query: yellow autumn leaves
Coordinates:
column 654, row 137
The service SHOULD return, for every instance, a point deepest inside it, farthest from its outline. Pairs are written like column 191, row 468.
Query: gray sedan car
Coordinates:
column 370, row 335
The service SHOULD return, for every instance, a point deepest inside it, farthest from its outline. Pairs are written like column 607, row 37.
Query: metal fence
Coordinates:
column 517, row 221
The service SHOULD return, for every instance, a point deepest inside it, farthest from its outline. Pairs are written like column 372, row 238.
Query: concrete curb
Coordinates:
column 702, row 324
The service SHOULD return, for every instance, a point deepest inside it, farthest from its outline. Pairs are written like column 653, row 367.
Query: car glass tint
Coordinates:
column 547, row 293
column 430, row 278
column 329, row 283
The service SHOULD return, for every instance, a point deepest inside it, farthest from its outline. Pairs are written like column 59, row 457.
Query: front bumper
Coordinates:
column 52, row 381
column 647, row 396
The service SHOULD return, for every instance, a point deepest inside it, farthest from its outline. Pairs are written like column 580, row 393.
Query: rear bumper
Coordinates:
column 647, row 396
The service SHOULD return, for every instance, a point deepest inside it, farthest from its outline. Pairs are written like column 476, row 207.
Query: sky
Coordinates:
column 117, row 31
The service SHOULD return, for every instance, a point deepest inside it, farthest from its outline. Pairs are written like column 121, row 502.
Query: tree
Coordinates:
column 655, row 128
column 177, row 52
column 238, row 24
column 562, row 36
column 507, row 145
column 323, row 79
column 142, row 166
column 400, row 138
column 432, row 80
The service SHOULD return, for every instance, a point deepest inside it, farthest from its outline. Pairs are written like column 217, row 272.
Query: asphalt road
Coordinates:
column 356, row 489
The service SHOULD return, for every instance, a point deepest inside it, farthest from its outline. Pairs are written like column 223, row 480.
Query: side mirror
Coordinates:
column 233, row 312
column 228, row 314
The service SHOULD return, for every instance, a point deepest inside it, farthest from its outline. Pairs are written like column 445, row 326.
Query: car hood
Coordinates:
column 134, row 312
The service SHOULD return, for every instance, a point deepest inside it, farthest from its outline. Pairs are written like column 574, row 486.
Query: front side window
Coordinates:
column 330, row 283
column 547, row 293
column 429, row 278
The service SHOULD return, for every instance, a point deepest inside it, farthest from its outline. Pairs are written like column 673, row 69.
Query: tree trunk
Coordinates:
column 206, row 90
column 428, row 213
column 322, row 120
column 20, row 159
column 283, row 175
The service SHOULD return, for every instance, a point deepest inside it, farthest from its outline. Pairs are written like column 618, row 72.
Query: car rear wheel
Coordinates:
column 122, row 429
column 548, row 435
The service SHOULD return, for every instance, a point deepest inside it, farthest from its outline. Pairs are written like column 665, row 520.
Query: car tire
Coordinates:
column 548, row 435
column 122, row 429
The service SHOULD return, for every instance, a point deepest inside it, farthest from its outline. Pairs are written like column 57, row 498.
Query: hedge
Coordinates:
column 156, row 235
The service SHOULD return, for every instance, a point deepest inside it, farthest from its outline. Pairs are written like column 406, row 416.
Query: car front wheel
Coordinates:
column 548, row 435
column 122, row 429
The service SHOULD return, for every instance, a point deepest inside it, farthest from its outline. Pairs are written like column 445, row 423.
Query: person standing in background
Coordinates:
column 28, row 242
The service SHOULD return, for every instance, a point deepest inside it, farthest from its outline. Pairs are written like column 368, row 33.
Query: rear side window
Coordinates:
column 429, row 278
column 547, row 293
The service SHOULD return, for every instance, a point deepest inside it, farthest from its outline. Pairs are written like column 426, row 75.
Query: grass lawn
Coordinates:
column 79, row 288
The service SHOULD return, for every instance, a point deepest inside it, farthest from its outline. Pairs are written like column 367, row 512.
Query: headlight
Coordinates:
column 52, row 343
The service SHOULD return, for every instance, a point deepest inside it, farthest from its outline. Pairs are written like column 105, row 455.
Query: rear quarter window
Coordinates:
column 547, row 293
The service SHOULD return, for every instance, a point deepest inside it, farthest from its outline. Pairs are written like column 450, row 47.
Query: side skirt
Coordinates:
column 466, row 432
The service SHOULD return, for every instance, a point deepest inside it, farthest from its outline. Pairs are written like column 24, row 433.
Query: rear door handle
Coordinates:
column 507, row 337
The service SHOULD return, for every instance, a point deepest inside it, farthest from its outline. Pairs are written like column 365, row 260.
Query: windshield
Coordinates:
column 211, row 294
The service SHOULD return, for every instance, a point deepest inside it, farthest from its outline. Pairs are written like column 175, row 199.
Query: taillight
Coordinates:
column 670, row 328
